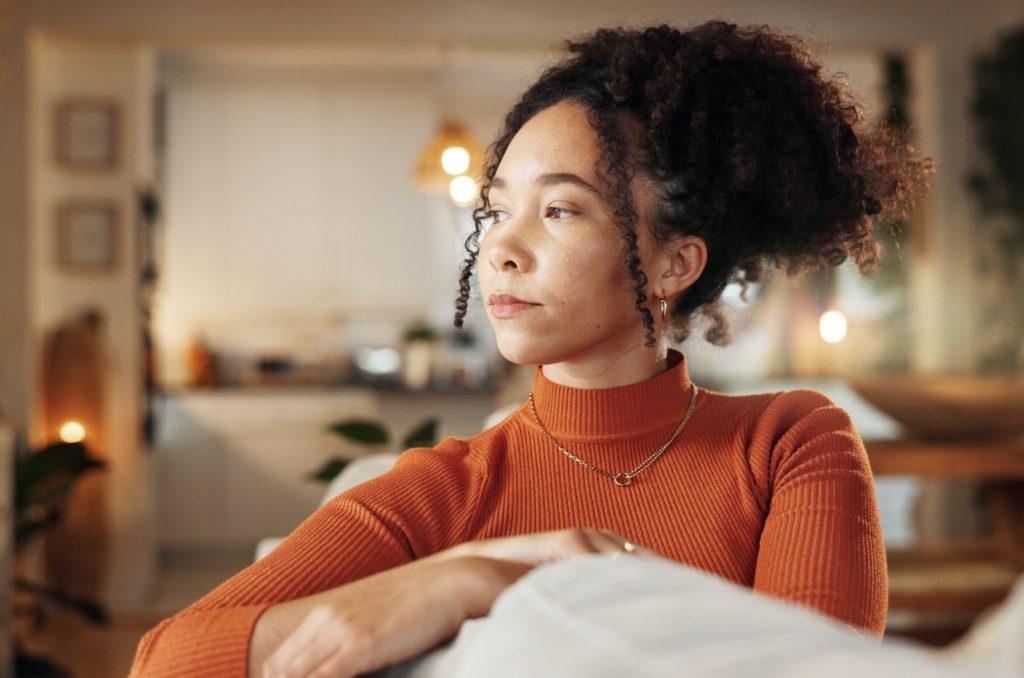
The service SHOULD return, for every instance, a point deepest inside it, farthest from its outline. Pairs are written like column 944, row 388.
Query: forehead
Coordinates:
column 557, row 139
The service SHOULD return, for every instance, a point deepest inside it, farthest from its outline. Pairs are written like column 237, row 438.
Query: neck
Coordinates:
column 609, row 371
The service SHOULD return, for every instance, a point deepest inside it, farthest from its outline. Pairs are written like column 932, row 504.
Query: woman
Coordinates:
column 631, row 183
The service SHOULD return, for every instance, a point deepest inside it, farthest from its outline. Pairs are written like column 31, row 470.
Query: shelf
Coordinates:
column 997, row 460
column 299, row 387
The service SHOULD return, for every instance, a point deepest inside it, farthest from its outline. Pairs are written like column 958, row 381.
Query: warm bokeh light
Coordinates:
column 832, row 326
column 463, row 190
column 455, row 160
column 72, row 432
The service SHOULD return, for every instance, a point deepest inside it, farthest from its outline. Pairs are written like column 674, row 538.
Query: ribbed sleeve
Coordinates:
column 373, row 527
column 822, row 544
column 200, row 642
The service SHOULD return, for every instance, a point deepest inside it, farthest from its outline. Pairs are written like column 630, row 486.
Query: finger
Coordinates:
column 530, row 549
column 627, row 545
column 611, row 542
column 577, row 542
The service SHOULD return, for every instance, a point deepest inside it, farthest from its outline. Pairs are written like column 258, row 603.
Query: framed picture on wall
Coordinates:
column 86, row 135
column 87, row 234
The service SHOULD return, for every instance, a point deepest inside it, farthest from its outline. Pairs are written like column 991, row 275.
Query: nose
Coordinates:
column 506, row 247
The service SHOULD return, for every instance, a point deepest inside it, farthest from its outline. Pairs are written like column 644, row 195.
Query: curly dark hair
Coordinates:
column 750, row 146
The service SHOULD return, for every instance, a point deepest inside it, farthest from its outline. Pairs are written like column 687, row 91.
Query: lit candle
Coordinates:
column 72, row 432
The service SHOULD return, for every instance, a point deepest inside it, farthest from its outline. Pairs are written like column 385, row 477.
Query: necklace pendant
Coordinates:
column 624, row 479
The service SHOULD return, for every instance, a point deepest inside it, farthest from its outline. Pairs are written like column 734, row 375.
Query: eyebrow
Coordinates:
column 553, row 179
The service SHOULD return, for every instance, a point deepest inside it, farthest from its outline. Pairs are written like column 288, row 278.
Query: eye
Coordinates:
column 491, row 217
column 560, row 213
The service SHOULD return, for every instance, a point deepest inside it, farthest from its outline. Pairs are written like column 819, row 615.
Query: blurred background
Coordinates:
column 229, row 241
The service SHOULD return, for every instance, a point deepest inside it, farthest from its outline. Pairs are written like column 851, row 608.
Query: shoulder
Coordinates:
column 426, row 494
column 775, row 413
column 805, row 408
column 790, row 420
column 788, row 433
column 750, row 419
column 461, row 456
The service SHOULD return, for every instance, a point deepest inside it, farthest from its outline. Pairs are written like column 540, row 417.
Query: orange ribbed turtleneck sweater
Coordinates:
column 771, row 491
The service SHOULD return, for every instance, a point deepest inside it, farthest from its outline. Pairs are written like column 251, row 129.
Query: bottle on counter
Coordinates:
column 202, row 364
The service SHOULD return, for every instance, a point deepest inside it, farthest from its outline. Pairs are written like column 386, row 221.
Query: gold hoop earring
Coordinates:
column 663, row 303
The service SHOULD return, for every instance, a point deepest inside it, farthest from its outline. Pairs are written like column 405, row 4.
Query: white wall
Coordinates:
column 288, row 197
column 123, row 73
column 15, row 356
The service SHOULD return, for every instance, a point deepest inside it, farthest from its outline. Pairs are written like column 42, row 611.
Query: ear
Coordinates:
column 681, row 263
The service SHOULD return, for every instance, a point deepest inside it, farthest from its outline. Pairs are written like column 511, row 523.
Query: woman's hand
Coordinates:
column 396, row 614
column 386, row 618
column 543, row 547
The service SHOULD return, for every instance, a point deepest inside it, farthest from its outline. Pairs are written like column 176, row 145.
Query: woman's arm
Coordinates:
column 377, row 621
column 343, row 541
column 395, row 615
column 420, row 507
column 822, row 543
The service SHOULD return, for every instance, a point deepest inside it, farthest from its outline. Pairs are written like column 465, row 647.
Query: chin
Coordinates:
column 526, row 351
column 516, row 354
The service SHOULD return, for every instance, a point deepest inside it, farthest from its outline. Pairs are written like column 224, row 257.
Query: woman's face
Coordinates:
column 552, row 263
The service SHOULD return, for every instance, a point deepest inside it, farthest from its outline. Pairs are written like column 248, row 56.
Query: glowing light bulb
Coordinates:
column 72, row 432
column 463, row 190
column 455, row 160
column 832, row 326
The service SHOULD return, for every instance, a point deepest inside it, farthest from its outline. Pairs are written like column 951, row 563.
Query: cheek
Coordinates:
column 602, row 274
column 597, row 295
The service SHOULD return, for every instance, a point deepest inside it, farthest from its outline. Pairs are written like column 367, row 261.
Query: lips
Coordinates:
column 508, row 306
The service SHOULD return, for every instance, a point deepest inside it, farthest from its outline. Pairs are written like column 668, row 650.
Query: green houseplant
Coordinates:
column 890, row 280
column 43, row 481
column 997, row 185
column 372, row 434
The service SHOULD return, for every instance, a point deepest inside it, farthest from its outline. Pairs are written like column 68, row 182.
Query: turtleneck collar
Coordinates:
column 621, row 411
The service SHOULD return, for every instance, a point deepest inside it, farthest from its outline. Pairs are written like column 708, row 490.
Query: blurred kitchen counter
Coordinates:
column 231, row 464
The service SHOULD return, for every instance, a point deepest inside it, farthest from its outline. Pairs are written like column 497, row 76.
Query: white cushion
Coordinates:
column 635, row 616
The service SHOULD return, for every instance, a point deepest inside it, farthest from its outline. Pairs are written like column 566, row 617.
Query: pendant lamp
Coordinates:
column 452, row 163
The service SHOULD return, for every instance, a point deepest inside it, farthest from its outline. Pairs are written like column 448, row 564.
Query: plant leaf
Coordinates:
column 26, row 528
column 424, row 435
column 73, row 457
column 91, row 610
column 329, row 470
column 361, row 431
column 53, row 461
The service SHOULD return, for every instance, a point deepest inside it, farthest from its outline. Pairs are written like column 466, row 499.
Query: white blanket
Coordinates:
column 634, row 616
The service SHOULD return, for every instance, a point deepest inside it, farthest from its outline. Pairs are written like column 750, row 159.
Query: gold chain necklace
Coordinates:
column 624, row 478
